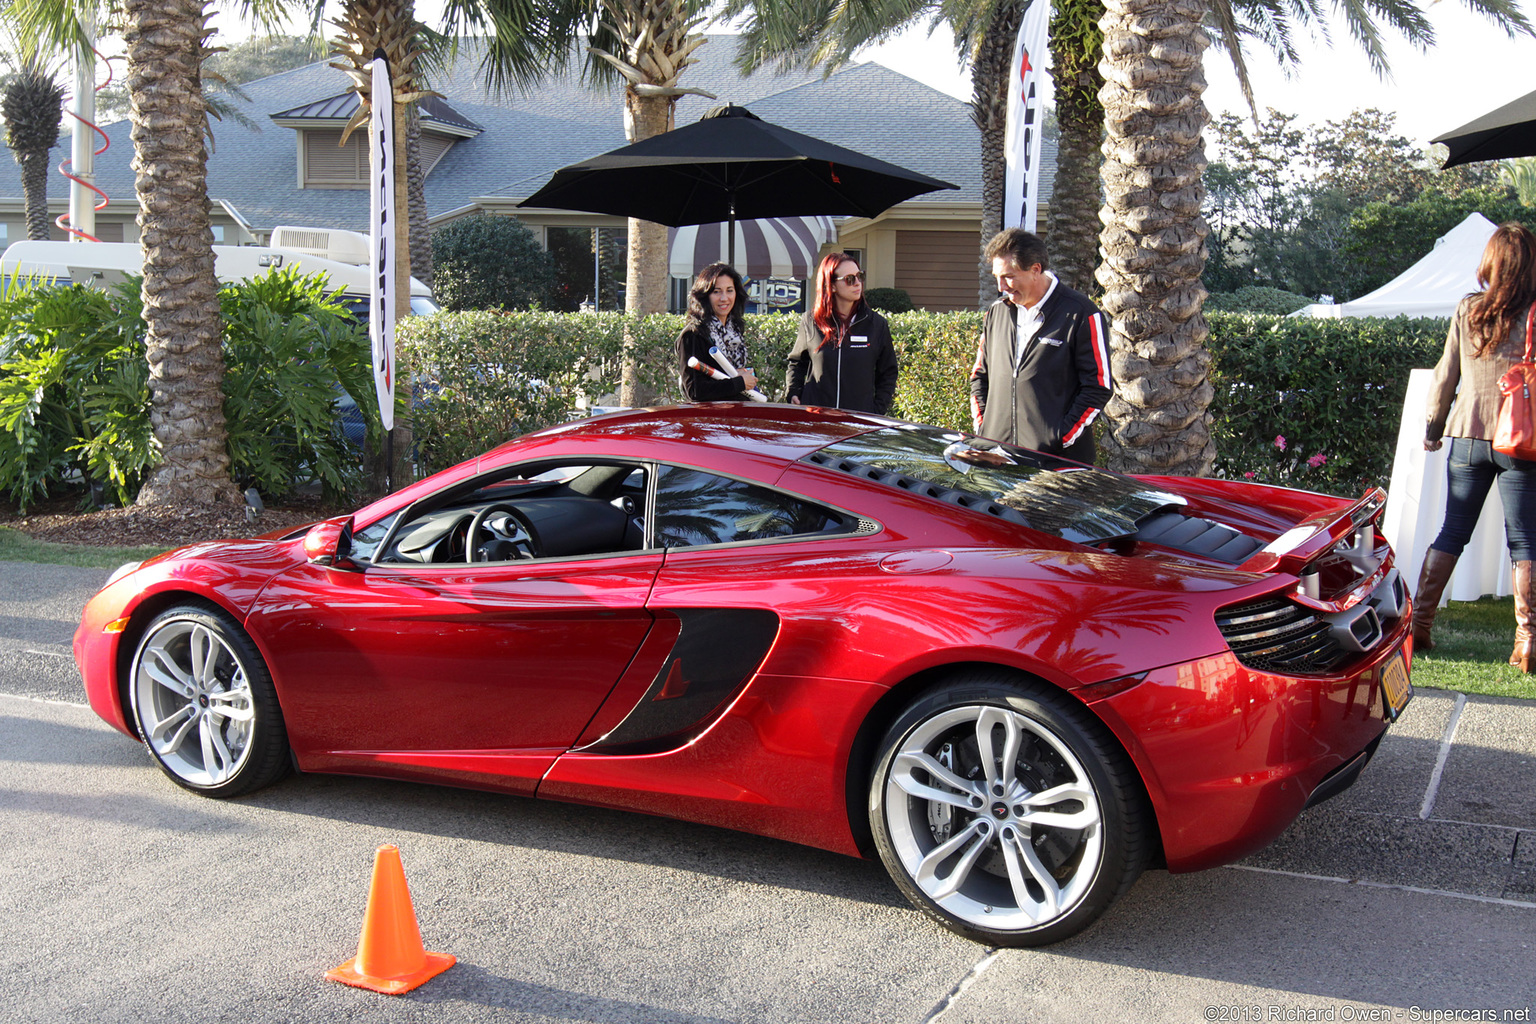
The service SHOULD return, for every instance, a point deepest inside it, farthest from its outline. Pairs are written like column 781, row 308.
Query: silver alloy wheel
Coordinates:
column 193, row 700
column 994, row 818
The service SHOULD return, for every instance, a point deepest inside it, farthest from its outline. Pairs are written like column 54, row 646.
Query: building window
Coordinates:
column 328, row 165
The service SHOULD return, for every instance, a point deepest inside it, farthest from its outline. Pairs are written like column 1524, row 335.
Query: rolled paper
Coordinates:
column 725, row 364
column 693, row 361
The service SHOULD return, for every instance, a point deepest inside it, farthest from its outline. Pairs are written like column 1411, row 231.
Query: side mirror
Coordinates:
column 330, row 543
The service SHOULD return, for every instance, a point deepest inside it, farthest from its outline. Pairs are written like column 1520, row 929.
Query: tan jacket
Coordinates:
column 1476, row 409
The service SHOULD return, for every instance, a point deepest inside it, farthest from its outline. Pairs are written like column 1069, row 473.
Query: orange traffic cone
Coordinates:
column 390, row 958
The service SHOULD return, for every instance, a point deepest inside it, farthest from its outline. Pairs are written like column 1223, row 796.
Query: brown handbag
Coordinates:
column 1515, row 432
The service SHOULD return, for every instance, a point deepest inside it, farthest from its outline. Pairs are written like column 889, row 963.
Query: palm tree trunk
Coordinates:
column 34, row 191
column 180, row 292
column 989, row 109
column 416, row 184
column 645, row 289
column 1154, row 237
column 1072, row 222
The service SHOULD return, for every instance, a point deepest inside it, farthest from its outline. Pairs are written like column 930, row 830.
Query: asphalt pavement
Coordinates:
column 1410, row 897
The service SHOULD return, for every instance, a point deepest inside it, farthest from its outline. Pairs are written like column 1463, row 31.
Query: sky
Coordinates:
column 1473, row 69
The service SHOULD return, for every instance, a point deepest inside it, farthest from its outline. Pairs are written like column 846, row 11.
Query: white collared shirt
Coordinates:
column 1027, row 322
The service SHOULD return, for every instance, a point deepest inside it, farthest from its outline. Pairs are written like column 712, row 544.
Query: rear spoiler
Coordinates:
column 1296, row 548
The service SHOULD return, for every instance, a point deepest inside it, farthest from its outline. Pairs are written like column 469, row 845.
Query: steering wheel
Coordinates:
column 512, row 539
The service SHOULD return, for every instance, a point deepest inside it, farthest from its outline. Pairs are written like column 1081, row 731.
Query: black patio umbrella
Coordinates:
column 1501, row 134
column 731, row 165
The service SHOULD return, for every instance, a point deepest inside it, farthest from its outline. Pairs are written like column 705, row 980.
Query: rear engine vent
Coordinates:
column 1274, row 635
column 915, row 486
column 1197, row 536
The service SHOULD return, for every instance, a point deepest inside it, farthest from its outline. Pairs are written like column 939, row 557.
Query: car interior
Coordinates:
column 565, row 510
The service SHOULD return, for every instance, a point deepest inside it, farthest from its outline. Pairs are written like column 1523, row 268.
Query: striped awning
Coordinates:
column 774, row 247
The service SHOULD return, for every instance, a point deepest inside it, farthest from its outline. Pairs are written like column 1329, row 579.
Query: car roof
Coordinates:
column 787, row 432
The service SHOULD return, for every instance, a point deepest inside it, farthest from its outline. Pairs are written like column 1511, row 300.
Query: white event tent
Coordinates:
column 1431, row 287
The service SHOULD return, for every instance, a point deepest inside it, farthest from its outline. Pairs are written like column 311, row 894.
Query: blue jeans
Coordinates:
column 1471, row 469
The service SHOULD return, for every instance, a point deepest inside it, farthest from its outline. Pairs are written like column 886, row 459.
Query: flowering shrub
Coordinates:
column 1310, row 403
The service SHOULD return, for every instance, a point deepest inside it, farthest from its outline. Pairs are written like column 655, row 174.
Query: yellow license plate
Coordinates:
column 1395, row 686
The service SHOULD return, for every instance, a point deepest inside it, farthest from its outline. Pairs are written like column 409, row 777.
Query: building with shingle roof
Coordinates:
column 280, row 164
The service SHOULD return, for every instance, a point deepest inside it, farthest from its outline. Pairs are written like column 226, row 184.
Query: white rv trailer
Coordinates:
column 104, row 264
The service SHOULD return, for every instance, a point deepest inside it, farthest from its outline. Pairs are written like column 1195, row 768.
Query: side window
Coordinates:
column 694, row 507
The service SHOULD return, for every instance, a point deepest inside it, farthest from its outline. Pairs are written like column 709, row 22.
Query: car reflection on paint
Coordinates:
column 1016, row 680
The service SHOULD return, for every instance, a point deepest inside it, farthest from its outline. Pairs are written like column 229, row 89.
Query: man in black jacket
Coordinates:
column 1042, row 365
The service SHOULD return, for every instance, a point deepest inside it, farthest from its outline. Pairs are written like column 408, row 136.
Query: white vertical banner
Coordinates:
column 381, row 237
column 1026, row 121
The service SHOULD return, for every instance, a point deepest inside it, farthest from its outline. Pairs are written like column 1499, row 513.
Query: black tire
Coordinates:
column 204, row 703
column 979, row 852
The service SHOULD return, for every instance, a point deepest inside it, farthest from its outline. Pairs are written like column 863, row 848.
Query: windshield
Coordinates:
column 1073, row 502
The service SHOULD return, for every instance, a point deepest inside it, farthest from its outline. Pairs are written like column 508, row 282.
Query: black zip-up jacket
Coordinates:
column 699, row 386
column 1049, row 400
column 859, row 374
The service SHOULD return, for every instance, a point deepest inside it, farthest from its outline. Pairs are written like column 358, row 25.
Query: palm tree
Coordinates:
column 166, row 47
column 1072, row 219
column 364, row 27
column 824, row 34
column 32, row 102
column 652, row 43
column 647, row 44
column 167, row 42
column 1153, row 239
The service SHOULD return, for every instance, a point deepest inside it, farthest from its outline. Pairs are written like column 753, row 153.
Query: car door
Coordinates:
column 459, row 671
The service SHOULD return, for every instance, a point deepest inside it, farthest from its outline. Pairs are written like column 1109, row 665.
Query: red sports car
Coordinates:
column 1019, row 680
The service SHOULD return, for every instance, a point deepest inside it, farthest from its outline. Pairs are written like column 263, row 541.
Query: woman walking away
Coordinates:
column 1488, row 335
column 843, row 356
column 717, row 303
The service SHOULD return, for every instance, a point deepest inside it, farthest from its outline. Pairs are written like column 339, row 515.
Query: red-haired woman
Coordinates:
column 1487, row 336
column 843, row 356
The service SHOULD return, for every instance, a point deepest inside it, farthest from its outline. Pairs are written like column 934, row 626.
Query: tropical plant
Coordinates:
column 1521, row 174
column 32, row 103
column 75, row 400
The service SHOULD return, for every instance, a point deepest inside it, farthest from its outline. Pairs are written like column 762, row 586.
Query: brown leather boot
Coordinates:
column 1524, row 600
column 1433, row 577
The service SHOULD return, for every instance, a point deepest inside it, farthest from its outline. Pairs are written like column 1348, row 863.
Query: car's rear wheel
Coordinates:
column 1007, row 812
column 204, row 703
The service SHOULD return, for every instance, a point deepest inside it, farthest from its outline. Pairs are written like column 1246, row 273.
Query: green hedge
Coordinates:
column 483, row 377
column 1313, row 403
column 1329, row 388
column 1301, row 402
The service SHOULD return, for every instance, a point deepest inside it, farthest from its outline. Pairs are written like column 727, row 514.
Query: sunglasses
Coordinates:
column 851, row 279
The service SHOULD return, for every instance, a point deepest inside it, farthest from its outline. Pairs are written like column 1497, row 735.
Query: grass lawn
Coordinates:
column 1472, row 644
column 18, row 547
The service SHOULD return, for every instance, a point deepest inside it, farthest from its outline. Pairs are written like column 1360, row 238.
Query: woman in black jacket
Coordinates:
column 716, row 304
column 843, row 356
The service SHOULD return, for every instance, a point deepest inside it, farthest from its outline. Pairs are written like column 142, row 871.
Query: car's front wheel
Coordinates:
column 1006, row 812
column 204, row 703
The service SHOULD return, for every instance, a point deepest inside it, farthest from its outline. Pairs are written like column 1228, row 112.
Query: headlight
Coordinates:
column 120, row 572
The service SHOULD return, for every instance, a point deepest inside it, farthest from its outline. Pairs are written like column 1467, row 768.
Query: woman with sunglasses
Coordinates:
column 717, row 303
column 843, row 356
